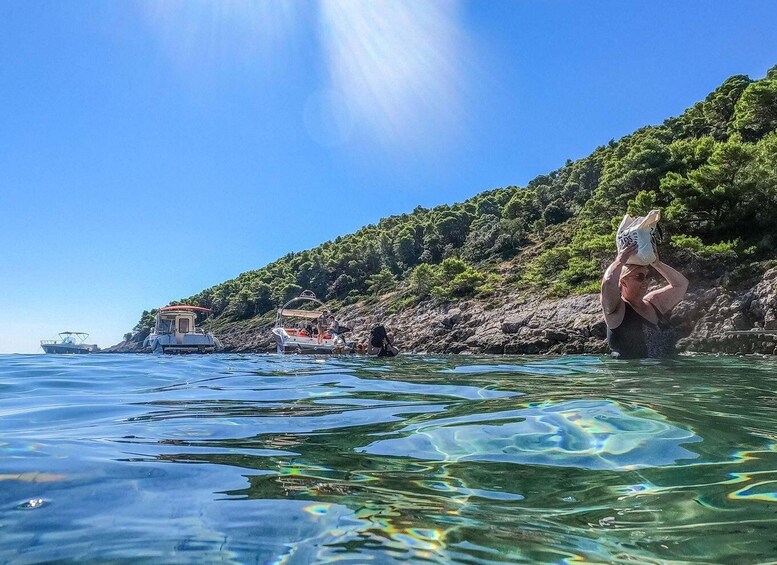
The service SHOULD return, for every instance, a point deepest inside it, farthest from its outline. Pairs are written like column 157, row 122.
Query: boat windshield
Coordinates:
column 164, row 326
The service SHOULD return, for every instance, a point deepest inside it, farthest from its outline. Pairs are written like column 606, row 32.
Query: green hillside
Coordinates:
column 712, row 171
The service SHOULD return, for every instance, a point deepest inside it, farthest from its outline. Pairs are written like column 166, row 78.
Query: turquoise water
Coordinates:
column 268, row 459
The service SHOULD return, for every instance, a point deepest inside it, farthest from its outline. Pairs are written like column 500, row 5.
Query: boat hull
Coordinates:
column 185, row 349
column 190, row 343
column 290, row 344
column 303, row 349
column 65, row 349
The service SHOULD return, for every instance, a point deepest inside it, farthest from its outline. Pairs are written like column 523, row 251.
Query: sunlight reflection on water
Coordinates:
column 590, row 434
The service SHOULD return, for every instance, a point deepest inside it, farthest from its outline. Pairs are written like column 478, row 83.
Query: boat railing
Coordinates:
column 49, row 341
column 173, row 331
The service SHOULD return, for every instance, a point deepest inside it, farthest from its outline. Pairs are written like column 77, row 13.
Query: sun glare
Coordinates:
column 397, row 63
column 395, row 68
column 196, row 32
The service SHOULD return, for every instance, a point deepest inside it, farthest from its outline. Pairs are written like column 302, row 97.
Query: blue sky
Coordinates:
column 149, row 150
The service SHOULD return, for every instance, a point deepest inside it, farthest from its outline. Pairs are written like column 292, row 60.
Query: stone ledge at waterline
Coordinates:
column 572, row 325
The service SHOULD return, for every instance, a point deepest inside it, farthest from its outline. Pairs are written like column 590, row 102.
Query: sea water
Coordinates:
column 447, row 459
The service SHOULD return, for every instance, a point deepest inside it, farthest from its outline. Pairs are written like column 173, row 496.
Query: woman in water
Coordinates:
column 638, row 320
column 381, row 344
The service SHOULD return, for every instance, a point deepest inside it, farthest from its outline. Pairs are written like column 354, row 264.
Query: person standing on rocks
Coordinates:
column 638, row 320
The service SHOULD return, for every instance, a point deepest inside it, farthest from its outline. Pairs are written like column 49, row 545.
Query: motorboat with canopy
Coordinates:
column 175, row 331
column 68, row 342
column 297, row 323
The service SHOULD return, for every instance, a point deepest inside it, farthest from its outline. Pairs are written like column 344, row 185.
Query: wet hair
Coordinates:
column 377, row 336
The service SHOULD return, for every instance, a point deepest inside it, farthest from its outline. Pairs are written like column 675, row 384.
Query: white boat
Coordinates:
column 68, row 343
column 175, row 331
column 297, row 322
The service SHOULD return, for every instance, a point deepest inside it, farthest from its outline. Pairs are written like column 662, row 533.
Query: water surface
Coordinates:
column 464, row 459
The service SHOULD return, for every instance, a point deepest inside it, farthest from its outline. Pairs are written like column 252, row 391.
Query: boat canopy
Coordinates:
column 293, row 313
column 80, row 335
column 184, row 307
column 307, row 298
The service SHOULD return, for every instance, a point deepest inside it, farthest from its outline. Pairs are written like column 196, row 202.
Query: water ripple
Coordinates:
column 471, row 459
column 589, row 434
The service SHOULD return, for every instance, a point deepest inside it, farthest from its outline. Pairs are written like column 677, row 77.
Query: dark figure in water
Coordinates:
column 381, row 343
column 638, row 320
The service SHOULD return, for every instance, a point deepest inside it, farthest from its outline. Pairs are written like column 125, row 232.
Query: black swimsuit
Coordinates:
column 637, row 337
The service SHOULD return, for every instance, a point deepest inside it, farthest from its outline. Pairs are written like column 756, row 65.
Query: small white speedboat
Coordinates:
column 68, row 343
column 296, row 328
column 175, row 331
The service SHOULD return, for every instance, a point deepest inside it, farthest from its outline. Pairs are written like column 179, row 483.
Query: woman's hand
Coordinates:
column 625, row 253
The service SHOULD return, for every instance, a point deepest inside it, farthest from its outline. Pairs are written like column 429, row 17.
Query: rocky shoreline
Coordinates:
column 711, row 319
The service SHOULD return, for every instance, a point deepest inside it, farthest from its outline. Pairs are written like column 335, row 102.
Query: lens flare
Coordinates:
column 198, row 33
column 394, row 70
column 399, row 64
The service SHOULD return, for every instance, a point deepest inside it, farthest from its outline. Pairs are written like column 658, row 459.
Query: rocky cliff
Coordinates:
column 716, row 318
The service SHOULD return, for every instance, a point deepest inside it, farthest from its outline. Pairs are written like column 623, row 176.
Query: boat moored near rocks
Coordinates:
column 305, row 325
column 69, row 343
column 175, row 331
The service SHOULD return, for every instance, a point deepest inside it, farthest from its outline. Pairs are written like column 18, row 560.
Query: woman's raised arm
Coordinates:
column 667, row 297
column 612, row 304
